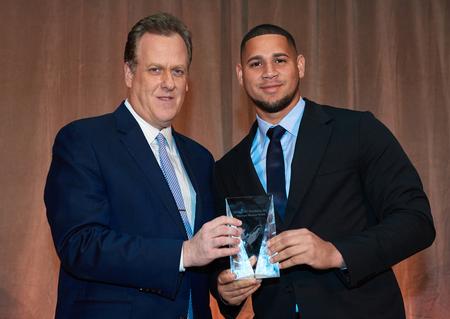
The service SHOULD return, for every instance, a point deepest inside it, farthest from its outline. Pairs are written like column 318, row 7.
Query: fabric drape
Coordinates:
column 62, row 60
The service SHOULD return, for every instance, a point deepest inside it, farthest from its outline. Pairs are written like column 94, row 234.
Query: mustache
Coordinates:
column 276, row 106
column 270, row 83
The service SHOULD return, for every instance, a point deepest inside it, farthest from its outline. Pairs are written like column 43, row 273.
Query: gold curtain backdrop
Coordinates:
column 62, row 60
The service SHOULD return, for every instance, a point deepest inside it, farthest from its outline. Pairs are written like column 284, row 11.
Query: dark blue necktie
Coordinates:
column 276, row 182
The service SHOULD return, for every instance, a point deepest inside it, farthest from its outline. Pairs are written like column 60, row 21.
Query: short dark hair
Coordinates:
column 267, row 29
column 161, row 24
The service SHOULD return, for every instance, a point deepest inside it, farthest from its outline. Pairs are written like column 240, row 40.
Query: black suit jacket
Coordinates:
column 116, row 226
column 352, row 185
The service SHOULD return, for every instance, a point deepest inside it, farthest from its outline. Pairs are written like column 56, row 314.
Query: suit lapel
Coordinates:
column 136, row 144
column 313, row 136
column 314, row 133
column 245, row 173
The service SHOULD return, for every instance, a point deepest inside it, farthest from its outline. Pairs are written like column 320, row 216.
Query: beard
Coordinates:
column 276, row 106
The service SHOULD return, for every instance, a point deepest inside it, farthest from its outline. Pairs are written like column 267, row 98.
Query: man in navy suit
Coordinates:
column 129, row 200
column 349, row 202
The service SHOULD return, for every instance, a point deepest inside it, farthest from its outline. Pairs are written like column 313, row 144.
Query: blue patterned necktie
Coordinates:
column 171, row 178
column 276, row 182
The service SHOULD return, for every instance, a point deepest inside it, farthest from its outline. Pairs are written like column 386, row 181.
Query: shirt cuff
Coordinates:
column 181, row 267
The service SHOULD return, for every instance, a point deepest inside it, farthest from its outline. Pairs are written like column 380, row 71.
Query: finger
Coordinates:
column 224, row 252
column 224, row 220
column 224, row 230
column 240, row 299
column 275, row 243
column 238, row 287
column 290, row 233
column 286, row 239
column 224, row 241
column 226, row 277
column 240, row 284
column 232, row 293
column 287, row 253
column 293, row 261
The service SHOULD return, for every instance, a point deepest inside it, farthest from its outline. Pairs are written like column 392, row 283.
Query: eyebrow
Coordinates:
column 158, row 65
column 275, row 55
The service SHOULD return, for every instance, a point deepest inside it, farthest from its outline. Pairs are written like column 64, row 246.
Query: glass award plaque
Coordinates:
column 258, row 226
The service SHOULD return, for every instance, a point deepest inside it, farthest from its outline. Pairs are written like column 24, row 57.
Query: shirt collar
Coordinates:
column 291, row 122
column 150, row 131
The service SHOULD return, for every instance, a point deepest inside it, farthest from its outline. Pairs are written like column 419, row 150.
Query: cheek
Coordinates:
column 247, row 87
column 181, row 96
column 249, row 83
column 149, row 83
column 182, row 84
column 249, row 76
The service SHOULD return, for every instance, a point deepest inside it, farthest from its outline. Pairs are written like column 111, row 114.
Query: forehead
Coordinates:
column 161, row 47
column 267, row 45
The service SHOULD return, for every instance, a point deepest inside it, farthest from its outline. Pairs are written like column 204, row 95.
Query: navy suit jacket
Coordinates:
column 352, row 185
column 116, row 226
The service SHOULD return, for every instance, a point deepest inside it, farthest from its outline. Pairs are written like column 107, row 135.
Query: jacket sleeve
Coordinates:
column 401, row 223
column 79, row 213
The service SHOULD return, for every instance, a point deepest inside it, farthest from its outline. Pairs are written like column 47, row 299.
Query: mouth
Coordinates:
column 270, row 87
column 165, row 98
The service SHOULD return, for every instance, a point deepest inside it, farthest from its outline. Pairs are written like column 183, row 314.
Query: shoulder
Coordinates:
column 89, row 127
column 344, row 119
column 85, row 135
column 230, row 157
column 194, row 148
column 333, row 112
column 238, row 154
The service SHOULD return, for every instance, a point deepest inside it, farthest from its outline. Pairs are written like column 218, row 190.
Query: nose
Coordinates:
column 269, row 71
column 167, row 81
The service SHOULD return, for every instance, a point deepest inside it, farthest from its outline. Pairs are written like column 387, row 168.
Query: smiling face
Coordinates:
column 270, row 71
column 158, row 83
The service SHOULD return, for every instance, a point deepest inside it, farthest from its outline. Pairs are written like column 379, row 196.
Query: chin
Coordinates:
column 168, row 117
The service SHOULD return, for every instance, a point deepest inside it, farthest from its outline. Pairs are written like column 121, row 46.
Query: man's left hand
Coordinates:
column 301, row 246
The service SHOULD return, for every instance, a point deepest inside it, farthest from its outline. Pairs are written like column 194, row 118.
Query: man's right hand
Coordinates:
column 234, row 292
column 212, row 241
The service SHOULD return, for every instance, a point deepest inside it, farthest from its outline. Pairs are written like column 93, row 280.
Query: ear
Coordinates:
column 301, row 66
column 128, row 75
column 239, row 74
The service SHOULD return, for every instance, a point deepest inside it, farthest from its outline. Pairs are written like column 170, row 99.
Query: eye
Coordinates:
column 255, row 64
column 154, row 70
column 178, row 72
column 280, row 60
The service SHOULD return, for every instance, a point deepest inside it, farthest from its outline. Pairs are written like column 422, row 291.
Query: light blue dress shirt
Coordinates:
column 291, row 123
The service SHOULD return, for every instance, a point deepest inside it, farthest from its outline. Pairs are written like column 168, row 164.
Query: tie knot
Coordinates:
column 276, row 133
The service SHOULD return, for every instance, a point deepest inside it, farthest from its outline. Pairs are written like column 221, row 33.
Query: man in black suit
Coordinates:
column 129, row 200
column 349, row 203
